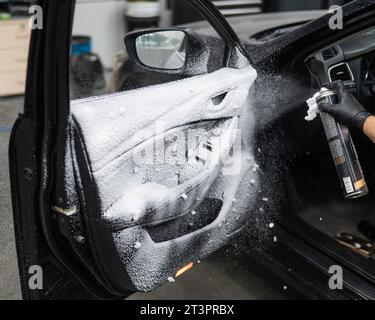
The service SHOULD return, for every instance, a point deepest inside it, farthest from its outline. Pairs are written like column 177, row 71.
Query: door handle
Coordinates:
column 217, row 100
column 222, row 100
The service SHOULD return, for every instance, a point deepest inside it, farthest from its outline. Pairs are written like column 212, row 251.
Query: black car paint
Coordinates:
column 47, row 92
column 36, row 163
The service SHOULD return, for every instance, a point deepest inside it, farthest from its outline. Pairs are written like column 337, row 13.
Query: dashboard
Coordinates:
column 351, row 61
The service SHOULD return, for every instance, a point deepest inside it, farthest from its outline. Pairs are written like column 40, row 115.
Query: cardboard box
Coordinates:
column 14, row 47
column 12, row 83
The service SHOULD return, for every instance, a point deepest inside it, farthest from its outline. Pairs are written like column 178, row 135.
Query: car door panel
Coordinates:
column 99, row 220
column 146, row 174
column 137, row 193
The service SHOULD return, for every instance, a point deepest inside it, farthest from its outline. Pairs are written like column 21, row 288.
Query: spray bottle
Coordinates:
column 341, row 144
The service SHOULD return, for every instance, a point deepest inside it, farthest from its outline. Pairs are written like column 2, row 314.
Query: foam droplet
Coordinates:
column 137, row 245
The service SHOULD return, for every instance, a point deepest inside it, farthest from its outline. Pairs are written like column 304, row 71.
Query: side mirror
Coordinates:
column 160, row 49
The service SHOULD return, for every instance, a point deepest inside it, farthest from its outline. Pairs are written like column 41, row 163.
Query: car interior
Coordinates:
column 313, row 185
column 140, row 192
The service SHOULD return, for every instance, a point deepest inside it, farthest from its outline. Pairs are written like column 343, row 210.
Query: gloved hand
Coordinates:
column 349, row 112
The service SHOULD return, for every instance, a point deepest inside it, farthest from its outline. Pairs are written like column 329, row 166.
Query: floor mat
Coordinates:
column 322, row 203
column 339, row 217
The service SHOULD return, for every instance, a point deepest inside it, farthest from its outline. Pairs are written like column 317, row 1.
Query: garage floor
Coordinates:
column 9, row 283
column 222, row 276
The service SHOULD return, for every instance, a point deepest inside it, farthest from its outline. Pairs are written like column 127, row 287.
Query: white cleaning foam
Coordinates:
column 313, row 111
column 110, row 135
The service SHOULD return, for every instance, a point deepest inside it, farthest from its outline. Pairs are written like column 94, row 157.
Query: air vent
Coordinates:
column 329, row 53
column 340, row 72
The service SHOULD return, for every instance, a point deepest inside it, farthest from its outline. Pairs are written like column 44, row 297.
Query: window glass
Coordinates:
column 100, row 63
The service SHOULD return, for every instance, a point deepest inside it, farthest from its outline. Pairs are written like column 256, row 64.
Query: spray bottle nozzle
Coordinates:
column 313, row 111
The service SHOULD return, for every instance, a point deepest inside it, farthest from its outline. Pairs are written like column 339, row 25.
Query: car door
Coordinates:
column 124, row 192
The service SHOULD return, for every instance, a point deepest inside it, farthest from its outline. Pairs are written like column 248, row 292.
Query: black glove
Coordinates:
column 349, row 112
